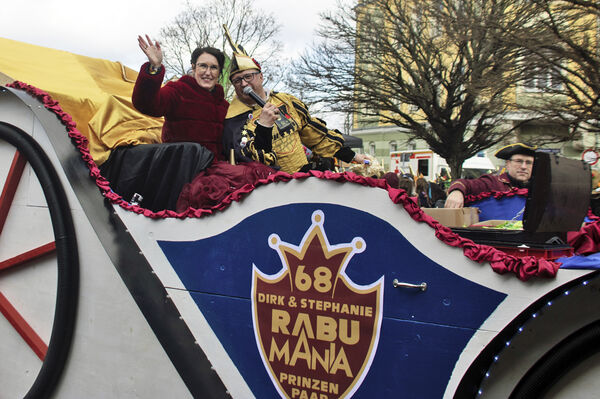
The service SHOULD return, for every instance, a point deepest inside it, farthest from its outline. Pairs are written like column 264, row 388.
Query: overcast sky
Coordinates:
column 108, row 29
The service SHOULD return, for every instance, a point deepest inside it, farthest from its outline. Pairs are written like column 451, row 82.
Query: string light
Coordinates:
column 519, row 331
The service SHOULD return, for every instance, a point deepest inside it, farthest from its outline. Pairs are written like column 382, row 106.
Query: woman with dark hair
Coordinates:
column 194, row 108
column 431, row 195
column 406, row 183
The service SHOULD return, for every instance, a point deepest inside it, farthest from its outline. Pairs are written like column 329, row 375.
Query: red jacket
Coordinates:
column 191, row 112
column 484, row 184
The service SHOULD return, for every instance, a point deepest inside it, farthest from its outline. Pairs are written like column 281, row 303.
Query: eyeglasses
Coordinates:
column 203, row 67
column 247, row 77
column 522, row 161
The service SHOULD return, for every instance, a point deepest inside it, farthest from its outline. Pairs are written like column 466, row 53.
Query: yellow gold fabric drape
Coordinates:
column 95, row 92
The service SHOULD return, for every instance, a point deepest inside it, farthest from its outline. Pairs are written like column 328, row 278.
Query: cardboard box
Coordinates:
column 460, row 217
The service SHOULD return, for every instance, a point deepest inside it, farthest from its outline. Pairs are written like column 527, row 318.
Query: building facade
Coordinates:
column 381, row 138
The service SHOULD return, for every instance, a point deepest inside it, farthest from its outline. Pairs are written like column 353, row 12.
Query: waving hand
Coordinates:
column 152, row 50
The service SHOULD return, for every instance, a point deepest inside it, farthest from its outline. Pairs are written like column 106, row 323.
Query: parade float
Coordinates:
column 313, row 285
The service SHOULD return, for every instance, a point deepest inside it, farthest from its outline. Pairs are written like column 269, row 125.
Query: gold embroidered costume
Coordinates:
column 286, row 151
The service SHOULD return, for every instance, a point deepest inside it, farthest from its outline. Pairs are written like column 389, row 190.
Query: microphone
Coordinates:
column 249, row 92
column 283, row 124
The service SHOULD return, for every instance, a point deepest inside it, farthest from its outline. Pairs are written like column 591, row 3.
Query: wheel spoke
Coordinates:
column 23, row 328
column 29, row 255
column 32, row 339
column 10, row 186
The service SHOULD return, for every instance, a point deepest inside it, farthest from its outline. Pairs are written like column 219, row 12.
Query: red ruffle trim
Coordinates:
column 496, row 194
column 524, row 268
column 586, row 241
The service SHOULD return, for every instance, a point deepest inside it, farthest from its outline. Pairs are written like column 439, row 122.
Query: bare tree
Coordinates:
column 202, row 25
column 565, row 54
column 442, row 70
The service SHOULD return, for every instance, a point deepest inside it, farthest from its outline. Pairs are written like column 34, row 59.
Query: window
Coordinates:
column 393, row 146
column 369, row 115
column 543, row 77
column 372, row 149
column 423, row 167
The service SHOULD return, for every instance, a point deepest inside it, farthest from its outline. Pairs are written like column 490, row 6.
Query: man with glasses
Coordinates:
column 251, row 131
column 519, row 165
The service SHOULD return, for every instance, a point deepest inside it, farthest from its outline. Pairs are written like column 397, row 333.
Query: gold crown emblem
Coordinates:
column 311, row 321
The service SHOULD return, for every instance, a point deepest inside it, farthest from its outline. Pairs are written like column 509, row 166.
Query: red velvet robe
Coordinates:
column 191, row 112
column 484, row 184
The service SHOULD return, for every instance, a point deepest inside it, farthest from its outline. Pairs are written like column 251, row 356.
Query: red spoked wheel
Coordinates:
column 24, row 329
column 63, row 248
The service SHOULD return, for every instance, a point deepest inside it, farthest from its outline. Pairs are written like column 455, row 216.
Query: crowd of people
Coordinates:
column 427, row 194
column 211, row 147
